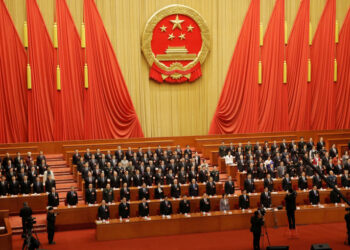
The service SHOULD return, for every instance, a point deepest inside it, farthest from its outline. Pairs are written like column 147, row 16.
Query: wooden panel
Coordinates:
column 217, row 221
column 14, row 203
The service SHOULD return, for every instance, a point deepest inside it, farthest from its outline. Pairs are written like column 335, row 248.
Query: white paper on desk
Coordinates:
column 343, row 205
column 229, row 212
column 250, row 211
column 274, row 192
column 90, row 205
column 127, row 220
column 98, row 222
column 168, row 216
column 208, row 214
column 298, row 208
column 107, row 222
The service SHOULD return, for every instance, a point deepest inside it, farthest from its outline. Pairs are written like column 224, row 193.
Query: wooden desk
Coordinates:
column 134, row 191
column 5, row 237
column 38, row 202
column 85, row 216
column 217, row 221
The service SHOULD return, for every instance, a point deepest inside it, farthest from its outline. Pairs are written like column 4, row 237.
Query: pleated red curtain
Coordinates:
column 68, row 108
column 322, row 112
column 42, row 62
column 342, row 91
column 108, row 108
column 237, row 110
column 273, row 101
column 13, row 101
column 297, row 62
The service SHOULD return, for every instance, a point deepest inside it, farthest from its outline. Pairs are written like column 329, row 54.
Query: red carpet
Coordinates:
column 333, row 234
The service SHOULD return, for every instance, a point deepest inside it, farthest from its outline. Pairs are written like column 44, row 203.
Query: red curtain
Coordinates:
column 297, row 62
column 42, row 62
column 342, row 92
column 109, row 111
column 13, row 101
column 322, row 114
column 237, row 110
column 68, row 109
column 273, row 112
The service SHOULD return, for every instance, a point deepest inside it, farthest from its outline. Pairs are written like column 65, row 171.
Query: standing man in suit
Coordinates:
column 229, row 186
column 224, row 203
column 25, row 213
column 143, row 192
column 302, row 182
column 51, row 219
column 249, row 184
column 204, row 204
column 334, row 196
column 124, row 209
column 143, row 208
column 72, row 197
column 268, row 182
column 166, row 207
column 286, row 183
column 184, row 206
column 244, row 200
column 103, row 211
column 90, row 195
column 222, row 149
column 211, row 187
column 193, row 189
column 291, row 207
column 53, row 198
column 257, row 221
column 265, row 198
column 314, row 196
column 108, row 194
column 175, row 190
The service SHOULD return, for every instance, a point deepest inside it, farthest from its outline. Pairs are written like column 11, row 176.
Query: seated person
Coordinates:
column 244, row 200
column 103, row 211
column 53, row 199
column 175, row 190
column 204, row 204
column 224, row 203
column 193, row 188
column 335, row 196
column 184, row 206
column 124, row 209
column 143, row 192
column 72, row 197
column 143, row 208
column 166, row 207
column 211, row 187
column 314, row 196
column 265, row 198
column 229, row 186
column 302, row 182
column 158, row 192
column 125, row 192
column 90, row 195
column 108, row 194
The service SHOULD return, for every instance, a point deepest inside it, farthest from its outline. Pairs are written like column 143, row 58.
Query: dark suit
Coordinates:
column 249, row 185
column 204, row 205
column 334, row 197
column 103, row 212
column 229, row 187
column 210, row 188
column 72, row 198
column 143, row 209
column 269, row 184
column 302, row 183
column 38, row 187
column 143, row 193
column 175, row 191
column 290, row 208
column 193, row 190
column 265, row 199
column 125, row 193
column 314, row 197
column 316, row 181
column 108, row 195
column 286, row 184
column 53, row 200
column 49, row 185
column 25, row 187
column 158, row 194
column 166, row 208
column 4, row 188
column 256, row 224
column 90, row 196
column 345, row 181
column 51, row 219
column 244, row 203
column 124, row 210
column 14, row 188
column 185, row 207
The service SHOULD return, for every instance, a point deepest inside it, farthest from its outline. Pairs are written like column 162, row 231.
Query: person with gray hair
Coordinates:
column 224, row 203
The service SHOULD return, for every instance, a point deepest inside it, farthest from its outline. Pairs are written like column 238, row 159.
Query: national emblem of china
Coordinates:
column 175, row 43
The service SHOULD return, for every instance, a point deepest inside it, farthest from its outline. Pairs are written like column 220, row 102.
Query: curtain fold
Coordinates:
column 42, row 62
column 342, row 91
column 297, row 60
column 273, row 102
column 237, row 110
column 322, row 111
column 13, row 101
column 68, row 108
column 108, row 108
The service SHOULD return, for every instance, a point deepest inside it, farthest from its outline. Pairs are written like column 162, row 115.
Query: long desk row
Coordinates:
column 85, row 215
column 134, row 191
column 6, row 233
column 216, row 221
column 13, row 203
column 277, row 182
